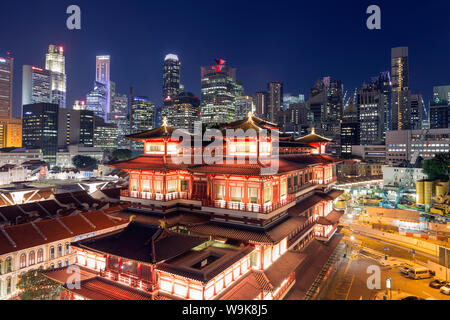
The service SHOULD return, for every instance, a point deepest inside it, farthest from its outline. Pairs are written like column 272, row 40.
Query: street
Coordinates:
column 348, row 281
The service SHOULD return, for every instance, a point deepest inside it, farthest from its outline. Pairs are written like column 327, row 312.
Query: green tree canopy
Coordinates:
column 122, row 154
column 35, row 286
column 438, row 167
column 83, row 162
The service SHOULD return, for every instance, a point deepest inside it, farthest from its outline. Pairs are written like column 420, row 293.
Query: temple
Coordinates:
column 231, row 229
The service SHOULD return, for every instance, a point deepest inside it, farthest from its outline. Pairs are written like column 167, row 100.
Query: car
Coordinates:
column 405, row 268
column 446, row 289
column 412, row 298
column 437, row 284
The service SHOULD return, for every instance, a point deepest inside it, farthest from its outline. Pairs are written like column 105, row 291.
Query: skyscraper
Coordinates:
column 97, row 99
column 10, row 133
column 244, row 105
column 261, row 100
column 371, row 110
column 75, row 127
column 36, row 85
column 219, row 91
column 103, row 76
column 350, row 129
column 105, row 134
column 6, row 86
column 171, row 77
column 400, row 88
column 40, row 129
column 56, row 63
column 183, row 111
column 416, row 111
column 142, row 112
column 275, row 92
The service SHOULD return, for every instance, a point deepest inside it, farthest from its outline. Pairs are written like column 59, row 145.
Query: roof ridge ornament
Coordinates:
column 313, row 130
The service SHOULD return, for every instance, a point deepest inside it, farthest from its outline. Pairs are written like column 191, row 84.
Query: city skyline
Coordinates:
column 298, row 65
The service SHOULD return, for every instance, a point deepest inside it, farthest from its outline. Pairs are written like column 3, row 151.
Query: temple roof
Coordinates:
column 313, row 138
column 163, row 131
column 182, row 265
column 247, row 234
column 250, row 167
column 142, row 242
column 251, row 122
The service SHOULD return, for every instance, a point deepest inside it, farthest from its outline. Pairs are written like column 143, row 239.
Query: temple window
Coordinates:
column 267, row 195
column 283, row 189
column 158, row 187
column 236, row 194
column 52, row 252
column 296, row 180
column 184, row 186
column 134, row 185
column 290, row 182
column 264, row 147
column 1, row 268
column 145, row 186
column 253, row 195
column 129, row 267
column 172, row 186
column 60, row 250
column 219, row 192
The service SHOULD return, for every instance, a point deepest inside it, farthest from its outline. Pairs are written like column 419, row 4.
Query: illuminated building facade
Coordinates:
column 105, row 134
column 243, row 105
column 10, row 133
column 400, row 88
column 56, row 63
column 261, row 100
column 244, row 223
column 219, row 91
column 182, row 111
column 6, row 86
column 40, row 129
column 275, row 94
column 171, row 77
column 142, row 112
column 36, row 85
column 103, row 76
column 97, row 99
column 75, row 127
column 371, row 111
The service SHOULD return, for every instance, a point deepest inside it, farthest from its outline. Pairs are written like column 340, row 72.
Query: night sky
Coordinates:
column 291, row 41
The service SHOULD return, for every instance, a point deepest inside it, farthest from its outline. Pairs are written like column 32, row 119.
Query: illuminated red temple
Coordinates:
column 204, row 231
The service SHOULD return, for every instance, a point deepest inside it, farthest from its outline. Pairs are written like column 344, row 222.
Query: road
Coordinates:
column 348, row 280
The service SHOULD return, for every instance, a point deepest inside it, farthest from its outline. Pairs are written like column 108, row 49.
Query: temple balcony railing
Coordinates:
column 154, row 196
column 129, row 279
column 299, row 188
column 249, row 207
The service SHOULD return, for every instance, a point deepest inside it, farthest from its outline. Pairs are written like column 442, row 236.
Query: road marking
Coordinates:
column 351, row 284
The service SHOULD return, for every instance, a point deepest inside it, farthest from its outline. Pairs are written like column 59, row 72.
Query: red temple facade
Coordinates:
column 269, row 195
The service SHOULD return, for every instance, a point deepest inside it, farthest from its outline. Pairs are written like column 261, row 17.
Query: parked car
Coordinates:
column 412, row 298
column 446, row 289
column 437, row 284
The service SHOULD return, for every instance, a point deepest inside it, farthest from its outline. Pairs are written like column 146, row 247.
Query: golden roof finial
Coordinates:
column 313, row 131
column 164, row 122
column 250, row 114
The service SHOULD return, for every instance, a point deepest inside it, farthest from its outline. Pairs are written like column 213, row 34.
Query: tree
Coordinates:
column 35, row 286
column 438, row 167
column 122, row 154
column 83, row 162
